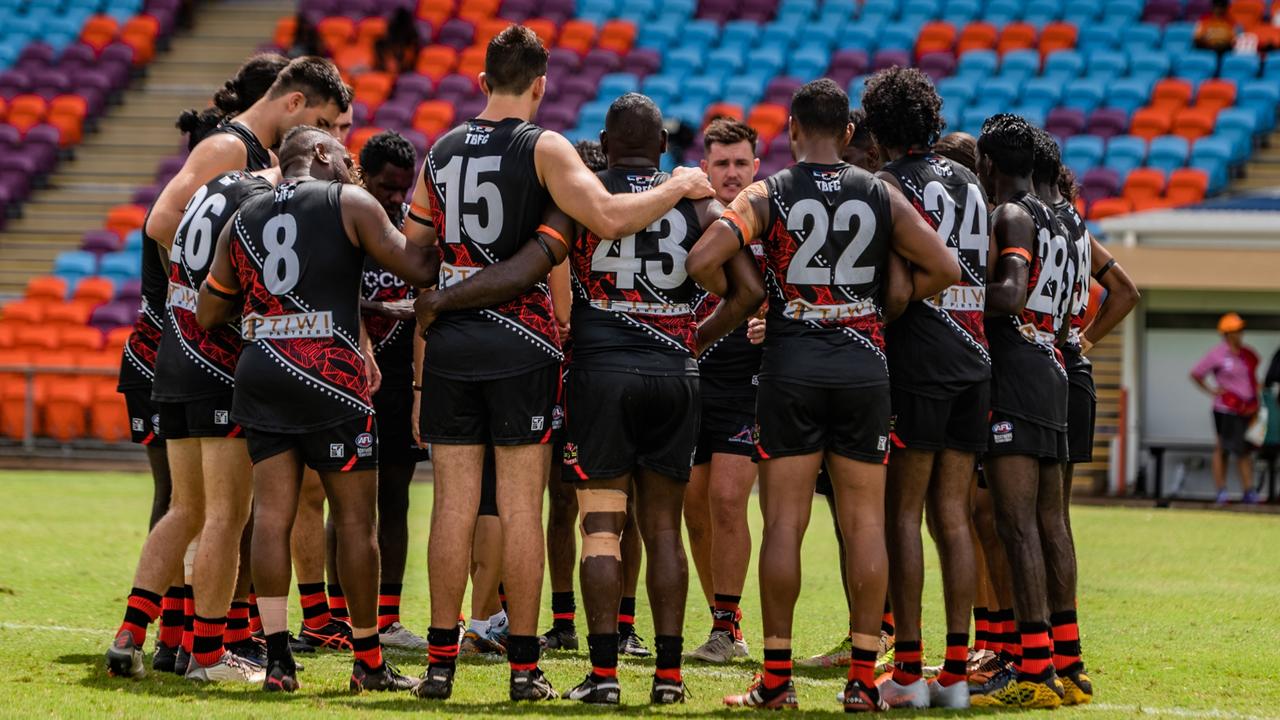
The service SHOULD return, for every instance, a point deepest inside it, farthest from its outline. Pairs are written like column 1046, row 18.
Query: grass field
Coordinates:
column 1179, row 611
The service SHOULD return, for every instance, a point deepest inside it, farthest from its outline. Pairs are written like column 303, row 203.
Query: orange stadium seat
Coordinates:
column 20, row 313
column 1017, row 36
column 80, row 339
column 433, row 116
column 545, row 30
column 1144, row 183
column 67, row 112
column 66, row 407
column 99, row 31
column 1187, row 186
column 477, row 11
column 1247, row 12
column 1171, row 93
column 108, row 417
column 1106, row 207
column 370, row 29
column 768, row 120
column 357, row 139
column 1151, row 122
column 722, row 109
column 1194, row 123
column 935, row 36
column 1147, row 204
column 487, row 29
column 6, row 337
column 977, row 36
column 373, row 88
column 435, row 11
column 27, row 111
column 436, row 61
column 123, row 219
column 97, row 290
column 140, row 33
column 1058, row 36
column 353, row 59
column 74, row 314
column 13, row 392
column 286, row 27
column 115, row 340
column 4, row 108
column 35, row 337
column 1216, row 94
column 471, row 61
column 577, row 35
column 46, row 288
column 618, row 36
column 336, row 31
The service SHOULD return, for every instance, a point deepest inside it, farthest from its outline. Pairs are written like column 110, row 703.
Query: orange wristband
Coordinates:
column 1017, row 251
column 552, row 233
column 213, row 283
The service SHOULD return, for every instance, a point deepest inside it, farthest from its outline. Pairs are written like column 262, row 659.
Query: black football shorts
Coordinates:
column 793, row 419
column 1082, row 411
column 394, row 409
column 519, row 410
column 1011, row 435
column 203, row 418
column 727, row 426
column 618, row 421
column 958, row 422
column 346, row 447
column 144, row 417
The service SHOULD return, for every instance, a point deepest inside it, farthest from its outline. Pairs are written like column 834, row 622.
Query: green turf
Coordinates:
column 1179, row 615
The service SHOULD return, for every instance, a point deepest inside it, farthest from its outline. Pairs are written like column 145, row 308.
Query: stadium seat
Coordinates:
column 977, row 36
column 65, row 411
column 1107, row 64
column 1262, row 96
column 1128, row 94
column 1194, row 122
column 1240, row 68
column 1124, row 153
column 108, row 417
column 1058, row 36
column 1064, row 122
column 978, row 64
column 1044, row 93
column 1149, row 63
column 1020, row 64
column 1187, row 186
column 1144, row 184
column 1108, row 207
column 1107, row 123
column 1168, row 153
column 1150, row 122
column 1195, row 65
column 1015, row 35
column 94, row 289
column 1099, row 36
column 1082, row 152
column 122, row 219
column 1171, row 93
column 46, row 288
column 768, row 120
column 1140, row 35
column 1216, row 94
column 1084, row 94
column 1065, row 65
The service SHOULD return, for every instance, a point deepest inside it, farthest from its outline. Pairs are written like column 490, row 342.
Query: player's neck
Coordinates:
column 632, row 162
column 501, row 107
column 1007, row 187
column 1048, row 193
column 893, row 154
column 818, row 153
column 254, row 120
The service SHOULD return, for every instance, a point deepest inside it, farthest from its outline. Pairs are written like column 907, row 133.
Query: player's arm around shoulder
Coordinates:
column 1122, row 295
column 726, row 236
column 220, row 295
column 934, row 266
column 1013, row 232
column 582, row 196
column 215, row 155
column 370, row 229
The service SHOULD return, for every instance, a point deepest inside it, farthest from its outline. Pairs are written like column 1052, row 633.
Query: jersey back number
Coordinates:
column 966, row 231
column 625, row 257
column 195, row 231
column 820, row 228
column 472, row 203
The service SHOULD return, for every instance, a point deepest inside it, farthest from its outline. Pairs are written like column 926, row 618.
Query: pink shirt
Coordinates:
column 1235, row 374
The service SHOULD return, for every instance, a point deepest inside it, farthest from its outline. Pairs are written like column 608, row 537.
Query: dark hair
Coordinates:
column 862, row 138
column 727, row 131
column 300, row 140
column 634, row 120
column 1010, row 142
column 960, row 148
column 592, row 155
column 236, row 95
column 903, row 108
column 317, row 79
column 514, row 59
column 1067, row 183
column 387, row 147
column 1048, row 158
column 821, row 107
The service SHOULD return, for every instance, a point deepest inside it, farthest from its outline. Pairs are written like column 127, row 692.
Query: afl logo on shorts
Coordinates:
column 557, row 417
column 364, row 444
column 1002, row 432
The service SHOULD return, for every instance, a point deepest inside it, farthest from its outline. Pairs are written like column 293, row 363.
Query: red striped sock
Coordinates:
column 1066, row 640
column 207, row 648
column 315, row 605
column 171, row 617
column 863, row 665
column 955, row 664
column 725, row 612
column 669, row 674
column 142, row 609
column 442, row 646
column 388, row 604
column 188, row 618
column 981, row 638
column 237, row 623
column 907, row 664
column 255, row 621
column 367, row 650
column 777, row 667
column 1036, row 654
column 337, row 602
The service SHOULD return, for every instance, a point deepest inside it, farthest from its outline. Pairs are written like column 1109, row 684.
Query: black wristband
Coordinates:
column 551, row 258
column 420, row 220
column 737, row 231
column 1104, row 269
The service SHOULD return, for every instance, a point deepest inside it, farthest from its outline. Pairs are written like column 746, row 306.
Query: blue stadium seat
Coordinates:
column 848, row 8
column 700, row 32
column 767, row 60
column 823, row 34
column 977, row 64
column 659, row 34
column 972, row 118
column 836, row 18
column 1168, row 153
column 801, row 9
column 1000, row 91
column 684, row 8
column 1241, row 68
column 708, row 86
column 727, row 59
column 809, row 61
column 638, row 11
column 597, row 7
column 1261, row 96
column 1107, row 64
column 1082, row 13
column 745, row 89
column 884, row 8
column 1128, row 94
column 1005, row 8
column 1216, row 169
column 1064, row 65
column 1238, row 119
column 957, row 91
column 1084, row 94
column 1031, row 113
column 778, row 35
column 133, row 240
column 1042, row 92
column 951, row 115
column 1140, row 35
column 685, row 59
column 1020, row 64
column 76, row 264
column 739, row 34
column 1149, row 63
column 1195, row 65
column 124, row 264
column 961, row 12
column 1178, row 36
column 863, row 35
column 1126, row 10
column 856, row 86
column 617, row 84
column 1101, row 36
column 1212, row 146
column 659, row 86
column 898, row 36
column 1082, row 152
column 1124, row 153
column 922, row 8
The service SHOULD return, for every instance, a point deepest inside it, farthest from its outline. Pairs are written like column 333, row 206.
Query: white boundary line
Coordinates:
column 52, row 628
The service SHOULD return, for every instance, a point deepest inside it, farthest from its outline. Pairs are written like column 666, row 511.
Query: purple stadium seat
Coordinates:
column 95, row 99
column 14, row 82
column 456, row 33
column 417, row 140
column 1161, row 12
column 558, row 117
column 717, row 10
column 576, row 88
column 22, row 160
column 100, row 241
column 328, row 7
column 780, row 89
column 938, row 65
column 15, row 184
column 1195, row 9
column 9, row 137
column 601, row 62
column 780, row 147
column 359, row 113
column 168, row 167
column 848, row 64
column 393, row 117
column 38, row 53
column 130, row 291
column 1064, row 122
column 563, row 61
column 558, row 10
column 114, row 314
column 642, row 62
column 413, row 86
column 356, row 9
column 50, row 83
column 884, row 59
column 1108, row 122
column 518, row 10
column 758, row 10
column 470, row 107
column 117, row 52
column 1099, row 183
column 145, row 195
column 455, row 87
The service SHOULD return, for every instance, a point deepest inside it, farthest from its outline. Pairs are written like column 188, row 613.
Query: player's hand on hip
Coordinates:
column 695, row 182
column 755, row 330
column 372, row 373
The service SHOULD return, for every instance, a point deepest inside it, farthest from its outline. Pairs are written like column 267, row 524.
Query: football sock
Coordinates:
column 337, row 603
column 863, row 666
column 367, row 649
column 1036, row 656
column 388, row 604
column 255, row 620
column 907, row 666
column 207, row 648
column 777, row 668
column 604, row 655
column 522, row 652
column 670, row 649
column 442, row 646
column 954, row 666
column 725, row 612
column 188, row 617
column 626, row 616
column 142, row 609
column 563, row 609
column 1066, row 640
column 981, row 632
column 171, row 617
column 237, row 623
column 315, row 605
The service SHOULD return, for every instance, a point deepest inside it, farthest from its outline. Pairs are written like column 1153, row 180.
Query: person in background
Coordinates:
column 1216, row 31
column 397, row 51
column 1234, row 367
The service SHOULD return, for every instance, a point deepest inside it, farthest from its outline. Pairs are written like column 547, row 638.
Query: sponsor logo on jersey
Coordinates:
column 221, row 417
column 337, row 450
column 453, row 274
column 828, row 181
column 374, row 280
column 138, row 424
column 940, row 166
column 640, row 183
column 539, row 421
column 642, row 308
column 800, row 309
column 364, row 444
column 570, row 455
column 284, row 327
column 1002, row 432
column 478, row 134
column 1033, row 334
column 182, row 297
column 959, row 297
